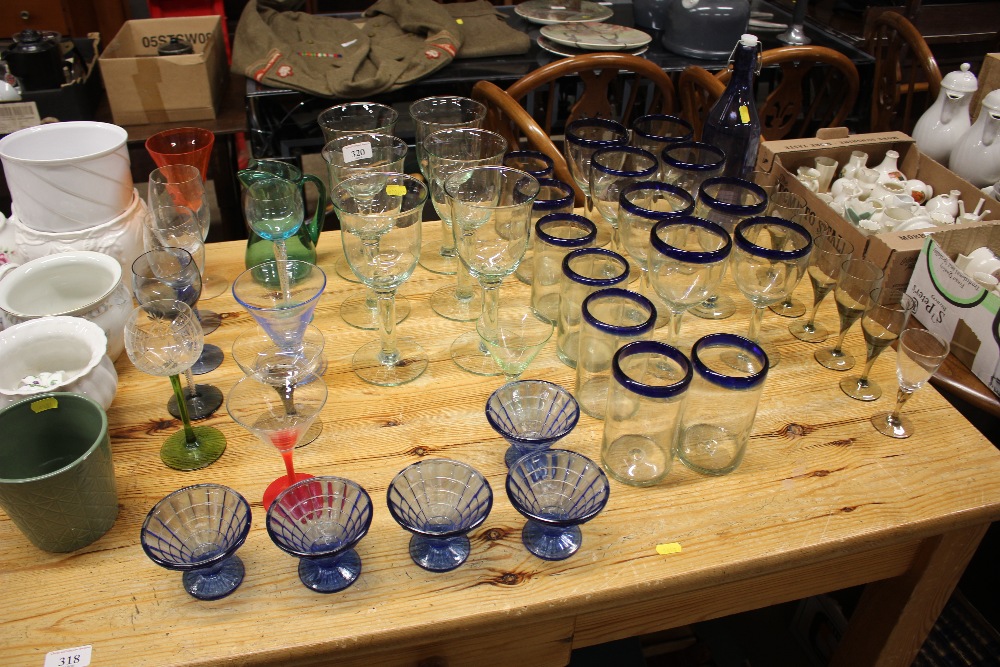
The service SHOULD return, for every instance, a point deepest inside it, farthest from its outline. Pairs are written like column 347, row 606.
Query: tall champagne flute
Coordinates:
column 687, row 261
column 171, row 273
column 919, row 355
column 881, row 324
column 491, row 210
column 825, row 263
column 163, row 338
column 274, row 210
column 380, row 216
column 858, row 277
column 183, row 185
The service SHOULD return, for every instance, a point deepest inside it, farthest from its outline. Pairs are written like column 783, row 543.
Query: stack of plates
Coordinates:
column 548, row 12
column 572, row 32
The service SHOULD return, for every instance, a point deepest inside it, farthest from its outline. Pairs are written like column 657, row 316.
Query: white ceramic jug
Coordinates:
column 976, row 156
column 944, row 123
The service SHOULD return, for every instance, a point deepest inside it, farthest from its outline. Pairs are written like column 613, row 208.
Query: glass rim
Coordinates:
column 651, row 347
column 692, row 256
column 729, row 208
column 693, row 166
column 605, row 123
column 616, row 329
column 652, row 117
column 595, row 282
column 247, row 274
column 555, row 184
column 744, row 244
column 634, row 173
column 750, row 381
column 460, row 102
column 660, row 186
column 562, row 241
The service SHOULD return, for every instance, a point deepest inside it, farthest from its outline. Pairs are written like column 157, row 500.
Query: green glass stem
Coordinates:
column 189, row 437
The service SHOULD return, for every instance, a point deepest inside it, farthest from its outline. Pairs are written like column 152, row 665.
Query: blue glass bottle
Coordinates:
column 732, row 123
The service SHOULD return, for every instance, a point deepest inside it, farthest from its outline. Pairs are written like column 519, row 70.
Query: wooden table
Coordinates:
column 821, row 502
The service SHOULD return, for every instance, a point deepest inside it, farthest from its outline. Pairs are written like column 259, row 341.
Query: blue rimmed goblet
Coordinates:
column 197, row 530
column 687, row 164
column 439, row 501
column 556, row 490
column 584, row 136
column 531, row 415
column 320, row 521
column 613, row 169
column 658, row 131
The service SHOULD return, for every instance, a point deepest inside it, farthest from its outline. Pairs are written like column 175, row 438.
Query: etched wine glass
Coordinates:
column 858, row 277
column 825, row 263
column 163, row 338
column 380, row 216
column 885, row 318
column 919, row 355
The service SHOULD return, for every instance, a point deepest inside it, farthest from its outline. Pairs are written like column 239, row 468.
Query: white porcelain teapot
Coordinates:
column 943, row 124
column 976, row 156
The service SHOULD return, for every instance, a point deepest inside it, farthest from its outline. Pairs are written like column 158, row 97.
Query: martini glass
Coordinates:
column 518, row 337
column 919, row 355
column 163, row 338
column 284, row 315
column 274, row 210
column 278, row 415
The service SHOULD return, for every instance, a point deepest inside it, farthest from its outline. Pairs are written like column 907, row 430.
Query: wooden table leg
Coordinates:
column 895, row 615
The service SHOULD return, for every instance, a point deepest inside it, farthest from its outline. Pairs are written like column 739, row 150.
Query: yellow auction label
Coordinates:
column 668, row 548
column 43, row 404
column 395, row 190
column 744, row 113
column 459, row 21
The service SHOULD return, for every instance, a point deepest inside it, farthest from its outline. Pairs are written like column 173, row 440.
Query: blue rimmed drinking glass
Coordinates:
column 686, row 264
column 687, row 163
column 536, row 163
column 585, row 271
column 531, row 415
column 611, row 171
column 655, row 132
column 556, row 490
column 557, row 234
column 553, row 196
column 583, row 137
column 726, row 200
column 439, row 501
column 644, row 408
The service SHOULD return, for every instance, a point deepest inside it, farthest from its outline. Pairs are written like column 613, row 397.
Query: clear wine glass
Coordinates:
column 686, row 264
column 825, row 263
column 274, row 210
column 583, row 137
column 858, row 277
column 770, row 256
column 352, row 117
column 164, row 338
column 919, row 355
column 789, row 206
column 183, row 185
column 491, row 209
column 171, row 273
column 380, row 217
column 884, row 319
column 611, row 171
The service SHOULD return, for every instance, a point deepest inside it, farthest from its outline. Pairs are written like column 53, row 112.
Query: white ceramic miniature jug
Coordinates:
column 976, row 156
column 944, row 123
column 888, row 170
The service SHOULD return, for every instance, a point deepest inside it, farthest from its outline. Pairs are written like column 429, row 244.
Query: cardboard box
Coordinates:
column 953, row 305
column 145, row 88
column 895, row 252
column 989, row 80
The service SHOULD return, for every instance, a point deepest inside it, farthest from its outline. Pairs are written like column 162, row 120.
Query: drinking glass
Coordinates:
column 553, row 197
column 279, row 418
column 536, row 163
column 491, row 208
column 448, row 152
column 611, row 171
column 919, row 355
column 655, row 132
column 884, row 319
column 643, row 204
column 171, row 273
column 182, row 185
column 531, row 415
column 353, row 117
column 380, row 223
column 584, row 270
column 557, row 235
column 726, row 201
column 349, row 155
column 858, row 277
column 770, row 257
column 789, row 206
column 274, row 210
column 825, row 262
column 515, row 340
column 583, row 137
column 182, row 145
column 285, row 316
column 686, row 265
column 164, row 338
column 688, row 163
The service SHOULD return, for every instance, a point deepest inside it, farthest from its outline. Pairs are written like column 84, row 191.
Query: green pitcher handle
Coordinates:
column 315, row 225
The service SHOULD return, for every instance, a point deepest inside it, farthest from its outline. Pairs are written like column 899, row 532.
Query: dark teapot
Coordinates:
column 36, row 59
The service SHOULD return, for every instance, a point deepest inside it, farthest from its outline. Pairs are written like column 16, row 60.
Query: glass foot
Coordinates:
column 280, row 484
column 894, row 428
column 809, row 333
column 213, row 286
column 789, row 308
column 216, row 582
column 205, row 401
column 471, row 355
column 636, row 460
column 329, row 575
column 718, row 308
column 550, row 543
column 355, row 311
column 343, row 269
column 432, row 259
column 834, row 359
column 438, row 554
column 177, row 454
column 867, row 390
column 446, row 303
column 209, row 320
column 603, row 239
column 409, row 363
column 210, row 359
column 313, row 432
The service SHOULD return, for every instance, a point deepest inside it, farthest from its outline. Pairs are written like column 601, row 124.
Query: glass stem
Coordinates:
column 810, row 324
column 901, row 397
column 371, row 300
column 756, row 317
column 286, row 456
column 387, row 327
column 838, row 348
column 863, row 380
column 192, row 388
column 466, row 285
column 286, row 392
column 447, row 239
column 189, row 438
column 491, row 304
column 674, row 327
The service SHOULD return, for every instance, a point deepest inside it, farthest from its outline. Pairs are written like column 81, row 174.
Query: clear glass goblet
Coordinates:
column 320, row 521
column 858, row 277
column 491, row 209
column 885, row 318
column 164, row 338
column 518, row 337
column 611, row 171
column 556, row 490
column 352, row 117
column 687, row 164
column 439, row 501
column 920, row 353
column 275, row 211
column 825, row 262
column 531, row 415
column 380, row 217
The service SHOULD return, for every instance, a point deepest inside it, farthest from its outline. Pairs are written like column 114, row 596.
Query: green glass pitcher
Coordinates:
column 302, row 246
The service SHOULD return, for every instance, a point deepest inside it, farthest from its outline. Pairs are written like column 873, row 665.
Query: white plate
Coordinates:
column 549, row 12
column 596, row 36
column 569, row 51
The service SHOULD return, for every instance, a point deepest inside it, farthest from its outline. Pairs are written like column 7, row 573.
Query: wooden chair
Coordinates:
column 907, row 78
column 804, row 99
